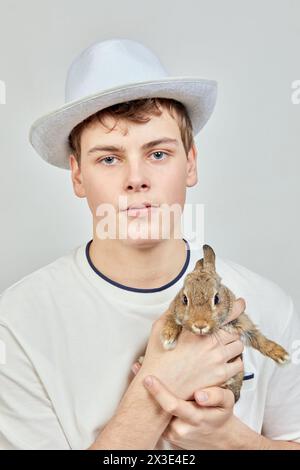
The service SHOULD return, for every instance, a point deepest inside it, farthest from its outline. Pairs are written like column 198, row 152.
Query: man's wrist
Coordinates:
column 136, row 413
column 241, row 437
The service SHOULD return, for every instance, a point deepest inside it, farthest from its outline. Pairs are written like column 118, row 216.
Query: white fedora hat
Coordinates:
column 111, row 72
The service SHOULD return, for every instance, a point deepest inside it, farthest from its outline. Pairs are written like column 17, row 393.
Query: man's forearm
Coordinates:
column 244, row 438
column 137, row 424
column 282, row 445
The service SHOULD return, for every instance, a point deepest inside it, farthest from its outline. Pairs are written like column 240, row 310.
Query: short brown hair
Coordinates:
column 137, row 111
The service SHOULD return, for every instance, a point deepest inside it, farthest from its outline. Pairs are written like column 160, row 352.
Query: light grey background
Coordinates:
column 248, row 154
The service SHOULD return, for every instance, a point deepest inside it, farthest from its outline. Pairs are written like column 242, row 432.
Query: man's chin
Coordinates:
column 140, row 242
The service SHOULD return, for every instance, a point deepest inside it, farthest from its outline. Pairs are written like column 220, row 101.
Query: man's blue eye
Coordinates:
column 106, row 158
column 159, row 152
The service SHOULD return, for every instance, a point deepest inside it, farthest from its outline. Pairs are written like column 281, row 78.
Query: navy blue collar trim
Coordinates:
column 248, row 376
column 136, row 289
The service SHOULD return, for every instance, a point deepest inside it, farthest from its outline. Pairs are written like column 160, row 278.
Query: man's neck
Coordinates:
column 139, row 266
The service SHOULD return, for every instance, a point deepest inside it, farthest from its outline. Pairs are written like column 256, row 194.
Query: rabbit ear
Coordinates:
column 199, row 265
column 209, row 257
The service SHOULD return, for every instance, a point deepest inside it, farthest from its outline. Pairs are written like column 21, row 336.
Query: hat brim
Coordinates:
column 49, row 134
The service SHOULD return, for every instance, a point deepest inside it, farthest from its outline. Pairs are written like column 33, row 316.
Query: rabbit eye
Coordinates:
column 185, row 300
column 217, row 299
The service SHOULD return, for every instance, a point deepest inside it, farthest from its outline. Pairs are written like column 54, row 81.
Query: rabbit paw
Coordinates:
column 281, row 356
column 168, row 340
column 278, row 353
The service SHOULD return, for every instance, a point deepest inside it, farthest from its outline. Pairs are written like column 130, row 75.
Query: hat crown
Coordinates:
column 114, row 71
column 111, row 63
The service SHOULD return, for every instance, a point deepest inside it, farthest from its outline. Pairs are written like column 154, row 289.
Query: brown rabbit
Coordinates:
column 202, row 305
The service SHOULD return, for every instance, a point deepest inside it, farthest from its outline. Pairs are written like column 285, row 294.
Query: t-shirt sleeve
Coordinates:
column 282, row 410
column 27, row 417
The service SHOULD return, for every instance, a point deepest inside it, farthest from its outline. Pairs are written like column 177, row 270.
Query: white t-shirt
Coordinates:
column 69, row 335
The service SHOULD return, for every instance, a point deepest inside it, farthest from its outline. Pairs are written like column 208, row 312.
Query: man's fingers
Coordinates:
column 136, row 367
column 161, row 394
column 215, row 396
column 185, row 410
column 239, row 307
column 233, row 368
column 233, row 349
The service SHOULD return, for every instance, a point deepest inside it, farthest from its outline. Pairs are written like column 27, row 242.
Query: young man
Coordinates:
column 73, row 328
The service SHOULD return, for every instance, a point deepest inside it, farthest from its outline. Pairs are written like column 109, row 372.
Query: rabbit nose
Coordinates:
column 200, row 328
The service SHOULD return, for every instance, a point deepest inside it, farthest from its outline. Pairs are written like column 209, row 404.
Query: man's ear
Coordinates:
column 76, row 177
column 191, row 176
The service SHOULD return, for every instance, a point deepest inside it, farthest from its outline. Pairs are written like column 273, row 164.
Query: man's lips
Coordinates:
column 140, row 211
column 143, row 206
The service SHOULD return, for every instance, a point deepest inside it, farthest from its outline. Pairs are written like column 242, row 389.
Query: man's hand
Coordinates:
column 200, row 424
column 209, row 424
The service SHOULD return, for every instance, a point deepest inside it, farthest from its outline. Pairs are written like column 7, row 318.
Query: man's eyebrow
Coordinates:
column 148, row 145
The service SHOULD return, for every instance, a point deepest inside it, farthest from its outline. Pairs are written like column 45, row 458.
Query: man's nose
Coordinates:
column 136, row 178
